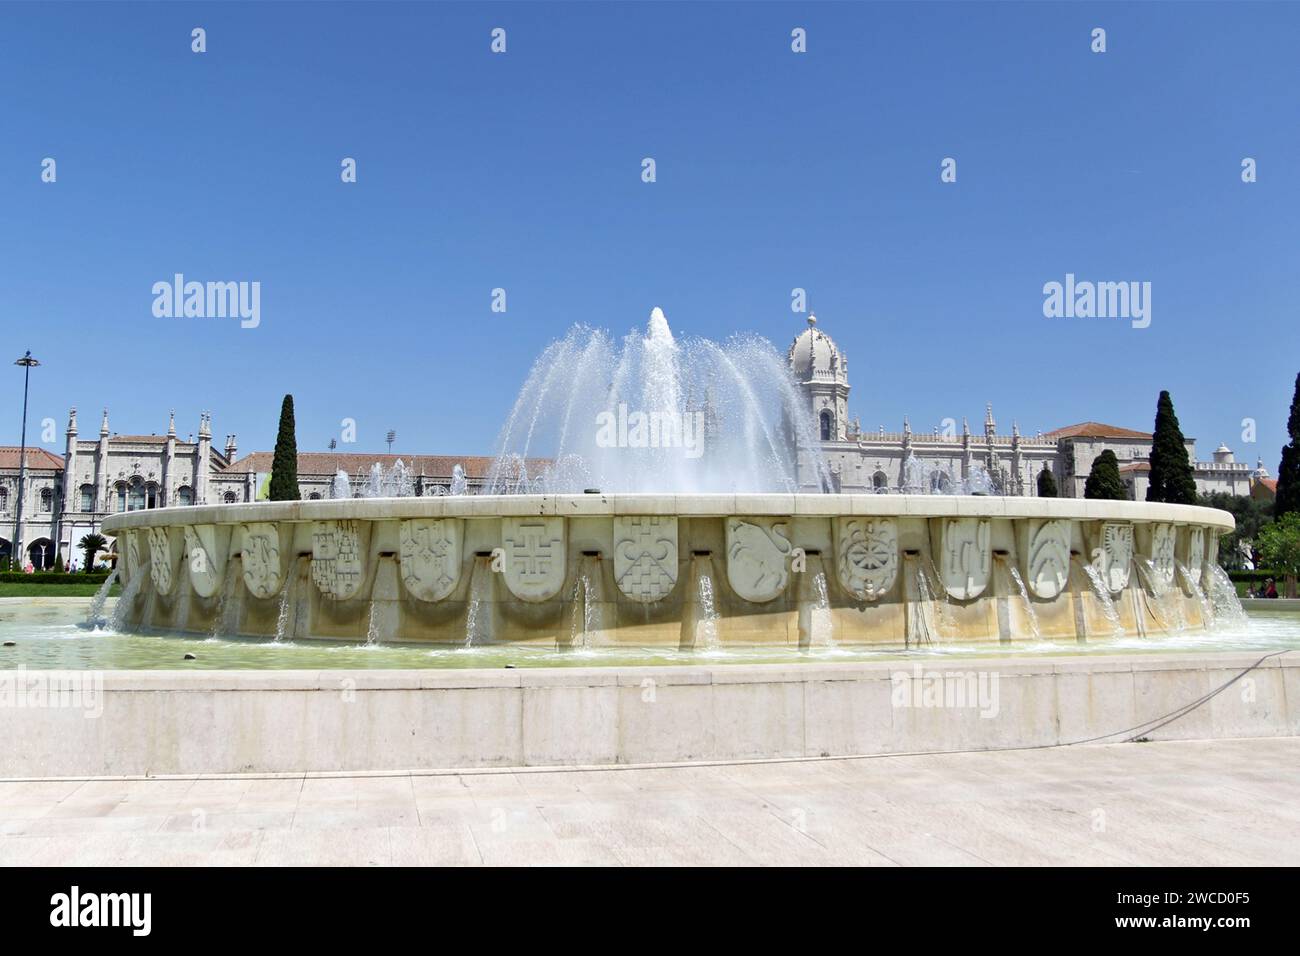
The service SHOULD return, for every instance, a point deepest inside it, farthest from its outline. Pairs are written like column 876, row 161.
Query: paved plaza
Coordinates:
column 1216, row 802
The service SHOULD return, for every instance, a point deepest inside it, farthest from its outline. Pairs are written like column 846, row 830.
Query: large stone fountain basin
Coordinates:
column 681, row 570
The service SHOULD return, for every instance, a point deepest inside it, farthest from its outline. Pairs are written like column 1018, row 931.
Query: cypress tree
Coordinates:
column 1104, row 481
column 1171, row 471
column 284, row 465
column 1288, row 473
column 1046, row 483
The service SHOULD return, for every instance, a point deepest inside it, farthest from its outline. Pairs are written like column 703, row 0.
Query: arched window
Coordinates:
column 120, row 488
column 185, row 495
column 40, row 553
column 826, row 421
column 314, row 496
column 880, row 481
column 135, row 498
column 47, row 500
column 229, row 498
column 151, row 495
column 87, row 498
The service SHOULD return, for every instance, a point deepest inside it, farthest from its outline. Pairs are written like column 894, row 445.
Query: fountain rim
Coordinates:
column 796, row 505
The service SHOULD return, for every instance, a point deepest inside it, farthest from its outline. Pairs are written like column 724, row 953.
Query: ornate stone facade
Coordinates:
column 950, row 455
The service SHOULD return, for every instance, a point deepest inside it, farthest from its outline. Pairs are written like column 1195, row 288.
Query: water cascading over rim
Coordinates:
column 694, row 571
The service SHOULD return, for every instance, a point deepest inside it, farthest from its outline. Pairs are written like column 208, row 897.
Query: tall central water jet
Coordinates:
column 654, row 413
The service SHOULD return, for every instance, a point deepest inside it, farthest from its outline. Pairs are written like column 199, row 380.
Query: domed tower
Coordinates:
column 822, row 372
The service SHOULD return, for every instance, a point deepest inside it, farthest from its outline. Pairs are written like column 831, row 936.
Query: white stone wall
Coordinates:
column 171, row 722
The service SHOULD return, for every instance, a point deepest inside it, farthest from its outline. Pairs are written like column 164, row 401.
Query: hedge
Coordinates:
column 49, row 577
column 1253, row 577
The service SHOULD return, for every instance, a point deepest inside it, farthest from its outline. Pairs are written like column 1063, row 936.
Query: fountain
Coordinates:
column 665, row 490
column 652, row 414
column 394, row 482
column 459, row 486
column 342, row 486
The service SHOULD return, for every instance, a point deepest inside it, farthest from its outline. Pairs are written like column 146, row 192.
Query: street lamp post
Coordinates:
column 28, row 364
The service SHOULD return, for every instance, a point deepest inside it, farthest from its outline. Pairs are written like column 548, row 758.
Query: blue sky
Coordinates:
column 775, row 170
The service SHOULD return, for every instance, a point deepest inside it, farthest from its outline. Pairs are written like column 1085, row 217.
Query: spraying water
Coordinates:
column 287, row 620
column 225, row 620
column 653, row 413
column 1030, row 614
column 707, row 633
column 395, row 482
column 1162, row 597
column 125, row 600
column 459, row 485
column 927, row 615
column 1102, row 593
column 1194, row 585
column 1228, row 611
column 342, row 486
column 927, row 478
column 95, row 613
column 823, row 631
column 478, row 623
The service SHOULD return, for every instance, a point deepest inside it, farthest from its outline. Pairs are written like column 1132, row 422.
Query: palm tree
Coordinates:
column 92, row 544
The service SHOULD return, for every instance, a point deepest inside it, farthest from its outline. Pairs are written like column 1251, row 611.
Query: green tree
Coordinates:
column 284, row 465
column 1171, row 471
column 91, row 545
column 58, row 563
column 1104, row 481
column 1279, row 548
column 1251, row 514
column 1046, row 483
column 1288, row 473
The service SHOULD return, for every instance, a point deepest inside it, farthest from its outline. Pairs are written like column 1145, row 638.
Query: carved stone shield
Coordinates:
column 162, row 560
column 431, row 556
column 338, row 557
column 757, row 551
column 1048, row 558
column 534, row 557
column 1195, row 552
column 866, row 555
column 205, row 551
column 263, row 565
column 1163, row 540
column 131, row 555
column 965, row 556
column 1115, row 557
column 645, row 556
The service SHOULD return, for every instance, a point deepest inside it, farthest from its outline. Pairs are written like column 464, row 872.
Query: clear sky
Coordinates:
column 775, row 170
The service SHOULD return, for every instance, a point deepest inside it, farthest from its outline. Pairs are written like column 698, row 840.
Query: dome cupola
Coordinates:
column 814, row 356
